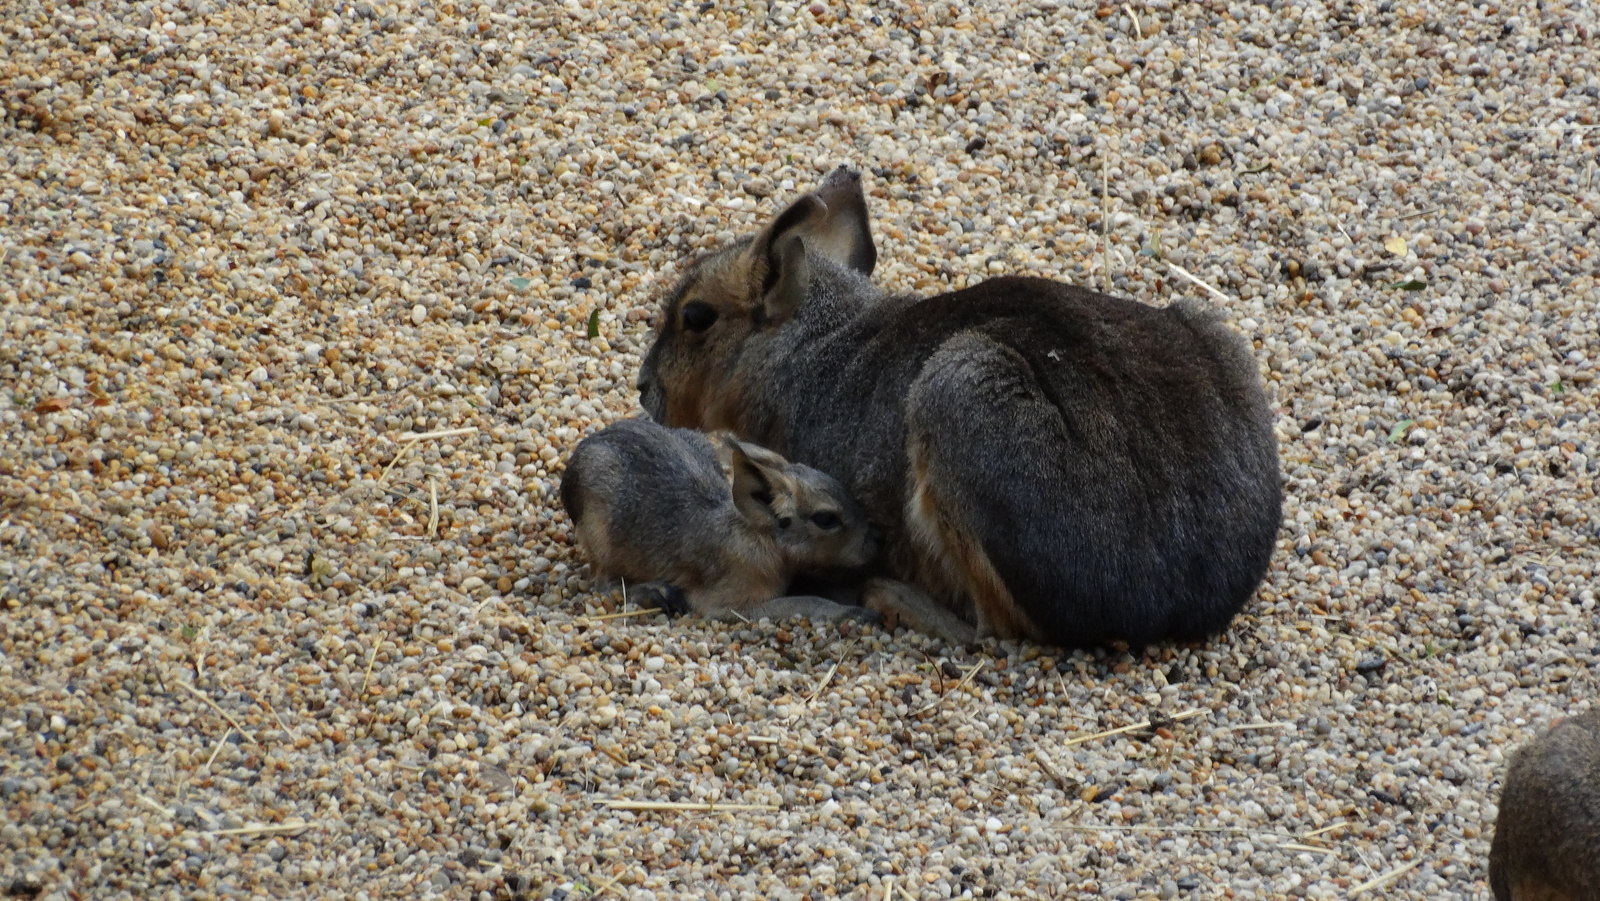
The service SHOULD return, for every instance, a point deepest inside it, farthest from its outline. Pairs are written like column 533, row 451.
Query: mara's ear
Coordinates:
column 723, row 444
column 832, row 219
column 844, row 235
column 794, row 277
column 752, row 491
column 832, row 222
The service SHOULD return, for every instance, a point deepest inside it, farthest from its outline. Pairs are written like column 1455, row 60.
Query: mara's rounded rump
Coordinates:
column 1547, row 837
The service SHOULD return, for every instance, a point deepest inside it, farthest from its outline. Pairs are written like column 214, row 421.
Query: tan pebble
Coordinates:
column 1108, row 67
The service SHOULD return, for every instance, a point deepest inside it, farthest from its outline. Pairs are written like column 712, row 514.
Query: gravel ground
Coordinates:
column 256, row 642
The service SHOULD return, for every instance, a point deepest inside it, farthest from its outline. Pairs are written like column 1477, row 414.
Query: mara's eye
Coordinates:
column 697, row 316
column 826, row 520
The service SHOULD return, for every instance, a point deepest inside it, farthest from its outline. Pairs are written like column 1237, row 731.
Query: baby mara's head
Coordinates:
column 816, row 523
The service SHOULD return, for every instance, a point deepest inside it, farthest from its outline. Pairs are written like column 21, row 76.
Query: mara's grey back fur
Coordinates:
column 1048, row 461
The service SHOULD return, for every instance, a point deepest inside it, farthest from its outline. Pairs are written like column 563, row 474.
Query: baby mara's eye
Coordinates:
column 698, row 316
column 827, row 520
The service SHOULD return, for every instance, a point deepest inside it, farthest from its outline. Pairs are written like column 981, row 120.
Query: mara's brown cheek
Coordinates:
column 685, row 407
column 728, row 408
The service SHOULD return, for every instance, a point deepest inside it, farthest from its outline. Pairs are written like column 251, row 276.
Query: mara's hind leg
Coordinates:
column 952, row 561
column 956, row 455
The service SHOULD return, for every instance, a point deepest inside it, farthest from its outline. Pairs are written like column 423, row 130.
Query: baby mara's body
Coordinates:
column 711, row 524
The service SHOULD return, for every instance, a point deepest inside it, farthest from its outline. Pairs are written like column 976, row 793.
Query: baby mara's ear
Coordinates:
column 830, row 222
column 754, row 485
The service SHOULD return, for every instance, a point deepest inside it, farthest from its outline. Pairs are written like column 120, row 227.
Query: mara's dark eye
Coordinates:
column 697, row 316
column 826, row 520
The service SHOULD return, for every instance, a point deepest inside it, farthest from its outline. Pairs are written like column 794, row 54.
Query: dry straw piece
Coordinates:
column 957, row 687
column 680, row 806
column 372, row 660
column 625, row 613
column 204, row 697
column 1191, row 277
column 408, row 441
column 263, row 829
column 433, row 508
column 281, row 724
column 829, row 677
column 218, row 749
column 1386, row 878
column 1326, row 829
column 155, row 805
column 1296, row 846
column 606, row 886
column 1133, row 728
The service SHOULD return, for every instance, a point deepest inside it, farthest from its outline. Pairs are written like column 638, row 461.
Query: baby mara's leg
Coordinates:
column 903, row 604
column 816, row 609
column 673, row 601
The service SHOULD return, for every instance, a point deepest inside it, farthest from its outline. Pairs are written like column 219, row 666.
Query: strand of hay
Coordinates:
column 263, row 829
column 698, row 807
column 829, row 677
column 1186, row 274
column 204, row 697
column 1386, row 878
column 964, row 680
column 1133, row 728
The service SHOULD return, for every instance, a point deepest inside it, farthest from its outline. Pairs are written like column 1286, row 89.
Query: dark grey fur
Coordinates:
column 1547, row 838
column 1114, row 461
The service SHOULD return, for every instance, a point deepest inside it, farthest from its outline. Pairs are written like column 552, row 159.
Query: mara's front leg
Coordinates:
column 663, row 596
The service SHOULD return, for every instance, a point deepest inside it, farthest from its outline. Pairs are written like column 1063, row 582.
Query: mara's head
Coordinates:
column 741, row 292
column 816, row 522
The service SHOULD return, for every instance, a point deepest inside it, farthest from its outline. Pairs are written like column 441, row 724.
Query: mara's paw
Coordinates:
column 669, row 599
